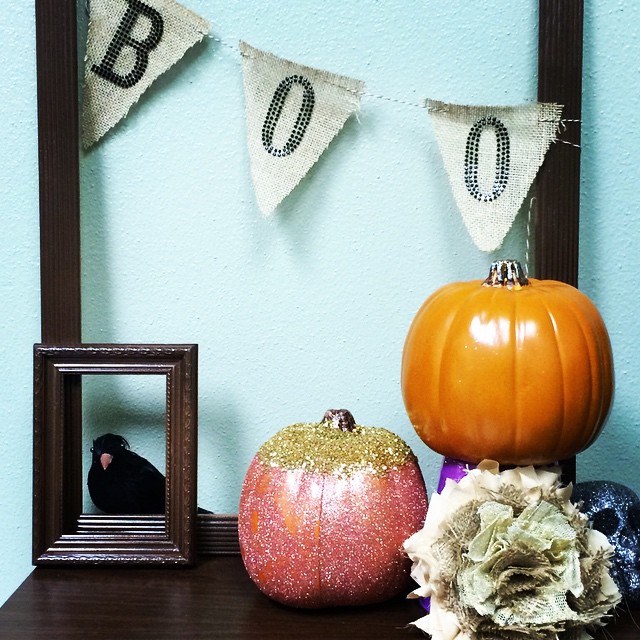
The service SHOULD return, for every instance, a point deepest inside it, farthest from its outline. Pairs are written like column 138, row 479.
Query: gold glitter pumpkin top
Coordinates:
column 337, row 445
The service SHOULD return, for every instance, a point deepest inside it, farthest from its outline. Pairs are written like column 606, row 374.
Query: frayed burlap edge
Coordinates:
column 450, row 552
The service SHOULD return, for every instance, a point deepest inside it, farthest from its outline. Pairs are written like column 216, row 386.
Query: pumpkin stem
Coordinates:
column 339, row 419
column 506, row 273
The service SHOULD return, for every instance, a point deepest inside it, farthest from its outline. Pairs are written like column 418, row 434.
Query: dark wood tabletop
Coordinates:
column 216, row 599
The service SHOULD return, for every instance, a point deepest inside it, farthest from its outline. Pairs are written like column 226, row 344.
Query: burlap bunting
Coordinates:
column 129, row 44
column 293, row 112
column 492, row 155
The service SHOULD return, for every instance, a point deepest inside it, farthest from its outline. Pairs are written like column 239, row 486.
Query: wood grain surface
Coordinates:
column 216, row 599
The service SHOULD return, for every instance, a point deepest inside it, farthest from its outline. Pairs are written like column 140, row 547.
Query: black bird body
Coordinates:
column 120, row 481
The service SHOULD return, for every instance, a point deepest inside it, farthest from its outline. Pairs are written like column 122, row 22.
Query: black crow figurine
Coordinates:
column 120, row 481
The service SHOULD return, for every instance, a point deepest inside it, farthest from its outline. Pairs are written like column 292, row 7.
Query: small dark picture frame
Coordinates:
column 61, row 532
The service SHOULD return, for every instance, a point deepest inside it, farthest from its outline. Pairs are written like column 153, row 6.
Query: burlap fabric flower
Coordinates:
column 507, row 556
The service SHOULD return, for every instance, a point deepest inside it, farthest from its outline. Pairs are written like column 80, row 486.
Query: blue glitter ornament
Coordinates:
column 614, row 510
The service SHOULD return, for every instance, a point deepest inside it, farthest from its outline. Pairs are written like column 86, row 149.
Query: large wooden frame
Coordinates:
column 557, row 188
column 61, row 532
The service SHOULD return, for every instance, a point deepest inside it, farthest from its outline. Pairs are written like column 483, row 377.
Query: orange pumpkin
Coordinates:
column 324, row 511
column 512, row 369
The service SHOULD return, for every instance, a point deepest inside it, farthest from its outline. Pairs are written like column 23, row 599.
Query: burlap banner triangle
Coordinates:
column 492, row 155
column 293, row 112
column 129, row 44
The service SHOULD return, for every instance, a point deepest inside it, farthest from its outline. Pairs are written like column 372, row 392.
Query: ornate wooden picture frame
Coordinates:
column 61, row 532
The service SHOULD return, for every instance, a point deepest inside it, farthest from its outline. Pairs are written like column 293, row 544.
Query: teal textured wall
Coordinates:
column 19, row 287
column 308, row 309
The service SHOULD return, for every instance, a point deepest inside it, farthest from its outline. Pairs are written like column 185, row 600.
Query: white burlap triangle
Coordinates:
column 293, row 112
column 129, row 44
column 492, row 155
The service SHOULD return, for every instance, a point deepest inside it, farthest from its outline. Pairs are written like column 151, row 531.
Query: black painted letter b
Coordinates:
column 123, row 38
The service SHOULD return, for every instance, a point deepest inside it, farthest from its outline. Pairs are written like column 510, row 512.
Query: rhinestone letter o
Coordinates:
column 502, row 159
column 275, row 110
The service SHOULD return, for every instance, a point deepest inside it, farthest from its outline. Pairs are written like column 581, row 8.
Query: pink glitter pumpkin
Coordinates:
column 324, row 511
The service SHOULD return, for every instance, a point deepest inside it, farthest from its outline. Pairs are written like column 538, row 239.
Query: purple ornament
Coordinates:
column 454, row 469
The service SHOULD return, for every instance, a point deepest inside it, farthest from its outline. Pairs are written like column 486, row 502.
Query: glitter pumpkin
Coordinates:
column 512, row 369
column 324, row 511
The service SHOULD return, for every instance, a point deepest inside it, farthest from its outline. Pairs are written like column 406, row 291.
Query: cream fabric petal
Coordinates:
column 525, row 533
column 441, row 624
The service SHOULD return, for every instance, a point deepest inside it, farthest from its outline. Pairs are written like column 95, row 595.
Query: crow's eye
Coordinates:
column 91, row 449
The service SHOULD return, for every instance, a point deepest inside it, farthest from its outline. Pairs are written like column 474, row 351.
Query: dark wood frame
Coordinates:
column 557, row 186
column 61, row 533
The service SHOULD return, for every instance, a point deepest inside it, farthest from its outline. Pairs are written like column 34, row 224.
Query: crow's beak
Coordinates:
column 105, row 460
